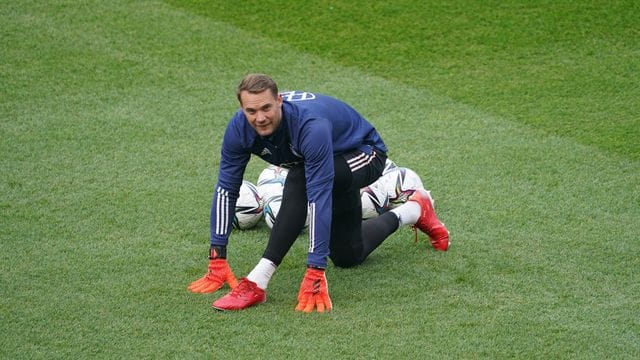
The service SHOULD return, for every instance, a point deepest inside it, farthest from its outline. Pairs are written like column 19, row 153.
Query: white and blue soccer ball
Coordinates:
column 249, row 207
column 271, row 209
column 374, row 202
column 399, row 184
column 271, row 182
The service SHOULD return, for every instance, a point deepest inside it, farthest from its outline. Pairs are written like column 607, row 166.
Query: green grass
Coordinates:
column 568, row 68
column 111, row 116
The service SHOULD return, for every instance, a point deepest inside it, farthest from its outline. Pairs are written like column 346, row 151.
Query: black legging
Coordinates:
column 352, row 239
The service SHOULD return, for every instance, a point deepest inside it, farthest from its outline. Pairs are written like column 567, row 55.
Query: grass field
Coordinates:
column 522, row 118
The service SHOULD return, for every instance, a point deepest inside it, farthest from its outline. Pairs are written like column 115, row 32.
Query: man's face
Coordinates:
column 263, row 111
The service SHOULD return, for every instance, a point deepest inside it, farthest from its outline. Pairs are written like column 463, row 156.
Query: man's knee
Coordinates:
column 345, row 261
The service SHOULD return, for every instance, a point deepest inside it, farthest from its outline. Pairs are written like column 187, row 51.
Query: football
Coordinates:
column 389, row 165
column 248, row 207
column 271, row 182
column 374, row 202
column 271, row 208
column 398, row 184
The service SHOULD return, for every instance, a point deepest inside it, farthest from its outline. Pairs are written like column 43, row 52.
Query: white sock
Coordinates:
column 408, row 213
column 261, row 274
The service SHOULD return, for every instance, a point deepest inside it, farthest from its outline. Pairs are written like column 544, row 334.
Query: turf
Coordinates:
column 111, row 118
column 538, row 63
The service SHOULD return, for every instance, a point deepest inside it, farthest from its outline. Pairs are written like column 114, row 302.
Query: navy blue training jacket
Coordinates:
column 314, row 128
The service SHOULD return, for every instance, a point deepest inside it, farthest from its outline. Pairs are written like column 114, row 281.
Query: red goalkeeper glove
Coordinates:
column 219, row 273
column 314, row 292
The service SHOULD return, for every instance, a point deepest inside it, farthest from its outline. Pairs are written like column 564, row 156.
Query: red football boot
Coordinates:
column 246, row 294
column 428, row 222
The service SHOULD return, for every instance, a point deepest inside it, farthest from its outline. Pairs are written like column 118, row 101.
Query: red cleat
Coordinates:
column 428, row 222
column 246, row 294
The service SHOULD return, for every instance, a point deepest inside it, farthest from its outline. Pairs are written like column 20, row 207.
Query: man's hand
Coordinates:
column 219, row 273
column 314, row 292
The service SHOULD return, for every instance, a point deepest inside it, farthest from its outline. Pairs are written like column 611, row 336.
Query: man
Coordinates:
column 331, row 152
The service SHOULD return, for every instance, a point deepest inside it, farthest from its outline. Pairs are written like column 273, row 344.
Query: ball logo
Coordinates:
column 297, row 95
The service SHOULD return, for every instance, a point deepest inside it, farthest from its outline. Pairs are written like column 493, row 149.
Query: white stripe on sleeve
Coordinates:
column 222, row 211
column 312, row 226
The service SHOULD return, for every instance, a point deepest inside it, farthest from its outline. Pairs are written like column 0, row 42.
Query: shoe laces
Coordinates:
column 244, row 286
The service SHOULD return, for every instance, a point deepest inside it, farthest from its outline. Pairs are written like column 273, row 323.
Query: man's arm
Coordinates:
column 232, row 165
column 317, row 148
column 233, row 162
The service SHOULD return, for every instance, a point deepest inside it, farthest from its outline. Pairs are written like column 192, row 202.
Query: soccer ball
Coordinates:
column 374, row 202
column 398, row 184
column 271, row 209
column 271, row 182
column 389, row 165
column 248, row 207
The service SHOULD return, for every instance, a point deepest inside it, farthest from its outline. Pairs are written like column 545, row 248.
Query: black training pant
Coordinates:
column 352, row 239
